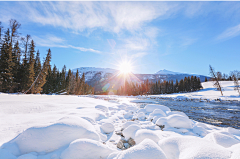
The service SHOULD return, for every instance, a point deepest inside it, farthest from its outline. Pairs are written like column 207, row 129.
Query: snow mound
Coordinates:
column 183, row 147
column 86, row 148
column 27, row 156
column 157, row 112
column 52, row 137
column 5, row 154
column 223, row 139
column 125, row 125
column 151, row 107
column 161, row 121
column 142, row 110
column 233, row 131
column 147, row 149
column 128, row 115
column 235, row 151
column 130, row 131
column 179, row 121
column 102, row 108
column 100, row 116
column 145, row 134
column 141, row 116
column 107, row 128
column 201, row 131
column 177, row 112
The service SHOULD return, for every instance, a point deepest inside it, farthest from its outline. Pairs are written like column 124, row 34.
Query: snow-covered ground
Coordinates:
column 80, row 127
column 208, row 92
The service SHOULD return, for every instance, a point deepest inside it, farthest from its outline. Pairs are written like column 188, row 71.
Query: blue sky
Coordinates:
column 177, row 36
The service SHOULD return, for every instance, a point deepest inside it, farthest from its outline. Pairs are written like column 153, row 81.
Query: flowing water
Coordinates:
column 219, row 114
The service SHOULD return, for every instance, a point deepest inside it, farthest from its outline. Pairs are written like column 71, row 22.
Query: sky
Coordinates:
column 182, row 37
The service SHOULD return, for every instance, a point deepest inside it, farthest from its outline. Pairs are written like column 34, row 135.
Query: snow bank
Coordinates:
column 235, row 151
column 147, row 149
column 151, row 107
column 223, row 139
column 102, row 108
column 52, row 137
column 107, row 128
column 179, row 121
column 5, row 154
column 183, row 147
column 141, row 116
column 86, row 148
column 201, row 131
column 145, row 134
column 27, row 156
column 125, row 125
column 130, row 131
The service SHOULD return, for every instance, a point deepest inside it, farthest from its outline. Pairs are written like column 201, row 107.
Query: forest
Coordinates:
column 188, row 84
column 22, row 71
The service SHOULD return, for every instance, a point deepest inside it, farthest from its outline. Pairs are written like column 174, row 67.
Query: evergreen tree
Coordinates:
column 31, row 62
column 25, row 65
column 6, row 64
column 17, row 66
column 206, row 79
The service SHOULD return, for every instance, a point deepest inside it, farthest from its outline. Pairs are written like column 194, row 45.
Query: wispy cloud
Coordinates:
column 53, row 41
column 79, row 16
column 230, row 33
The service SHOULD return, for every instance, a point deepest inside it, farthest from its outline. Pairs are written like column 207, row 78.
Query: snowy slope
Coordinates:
column 209, row 92
column 79, row 127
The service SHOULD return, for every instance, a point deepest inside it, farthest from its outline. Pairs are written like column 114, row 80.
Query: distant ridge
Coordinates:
column 100, row 78
column 167, row 72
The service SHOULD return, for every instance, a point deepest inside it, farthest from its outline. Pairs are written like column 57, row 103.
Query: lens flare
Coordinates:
column 125, row 67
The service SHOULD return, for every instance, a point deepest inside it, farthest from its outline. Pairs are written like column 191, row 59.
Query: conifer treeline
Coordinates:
column 21, row 68
column 188, row 84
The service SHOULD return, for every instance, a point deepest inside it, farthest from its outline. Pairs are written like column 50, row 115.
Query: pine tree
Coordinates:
column 31, row 62
column 25, row 65
column 41, row 79
column 206, row 79
column 17, row 66
column 6, row 64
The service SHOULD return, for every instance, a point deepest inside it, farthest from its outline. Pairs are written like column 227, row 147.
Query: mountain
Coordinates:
column 166, row 72
column 107, row 78
column 90, row 72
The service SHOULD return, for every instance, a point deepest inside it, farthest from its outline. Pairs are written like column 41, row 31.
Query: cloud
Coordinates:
column 79, row 16
column 186, row 41
column 53, row 41
column 230, row 33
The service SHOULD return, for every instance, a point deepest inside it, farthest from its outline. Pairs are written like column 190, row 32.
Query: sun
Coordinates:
column 125, row 67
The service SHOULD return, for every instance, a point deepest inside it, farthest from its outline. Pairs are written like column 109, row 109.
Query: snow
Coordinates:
column 91, row 71
column 209, row 93
column 179, row 121
column 47, row 137
column 61, row 126
column 145, row 134
column 183, row 147
column 146, row 149
column 107, row 128
column 130, row 131
column 86, row 148
column 27, row 156
column 166, row 72
column 151, row 107
column 223, row 139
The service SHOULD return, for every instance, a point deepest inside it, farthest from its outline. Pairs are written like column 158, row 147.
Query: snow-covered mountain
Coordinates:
column 100, row 77
column 90, row 72
column 166, row 72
